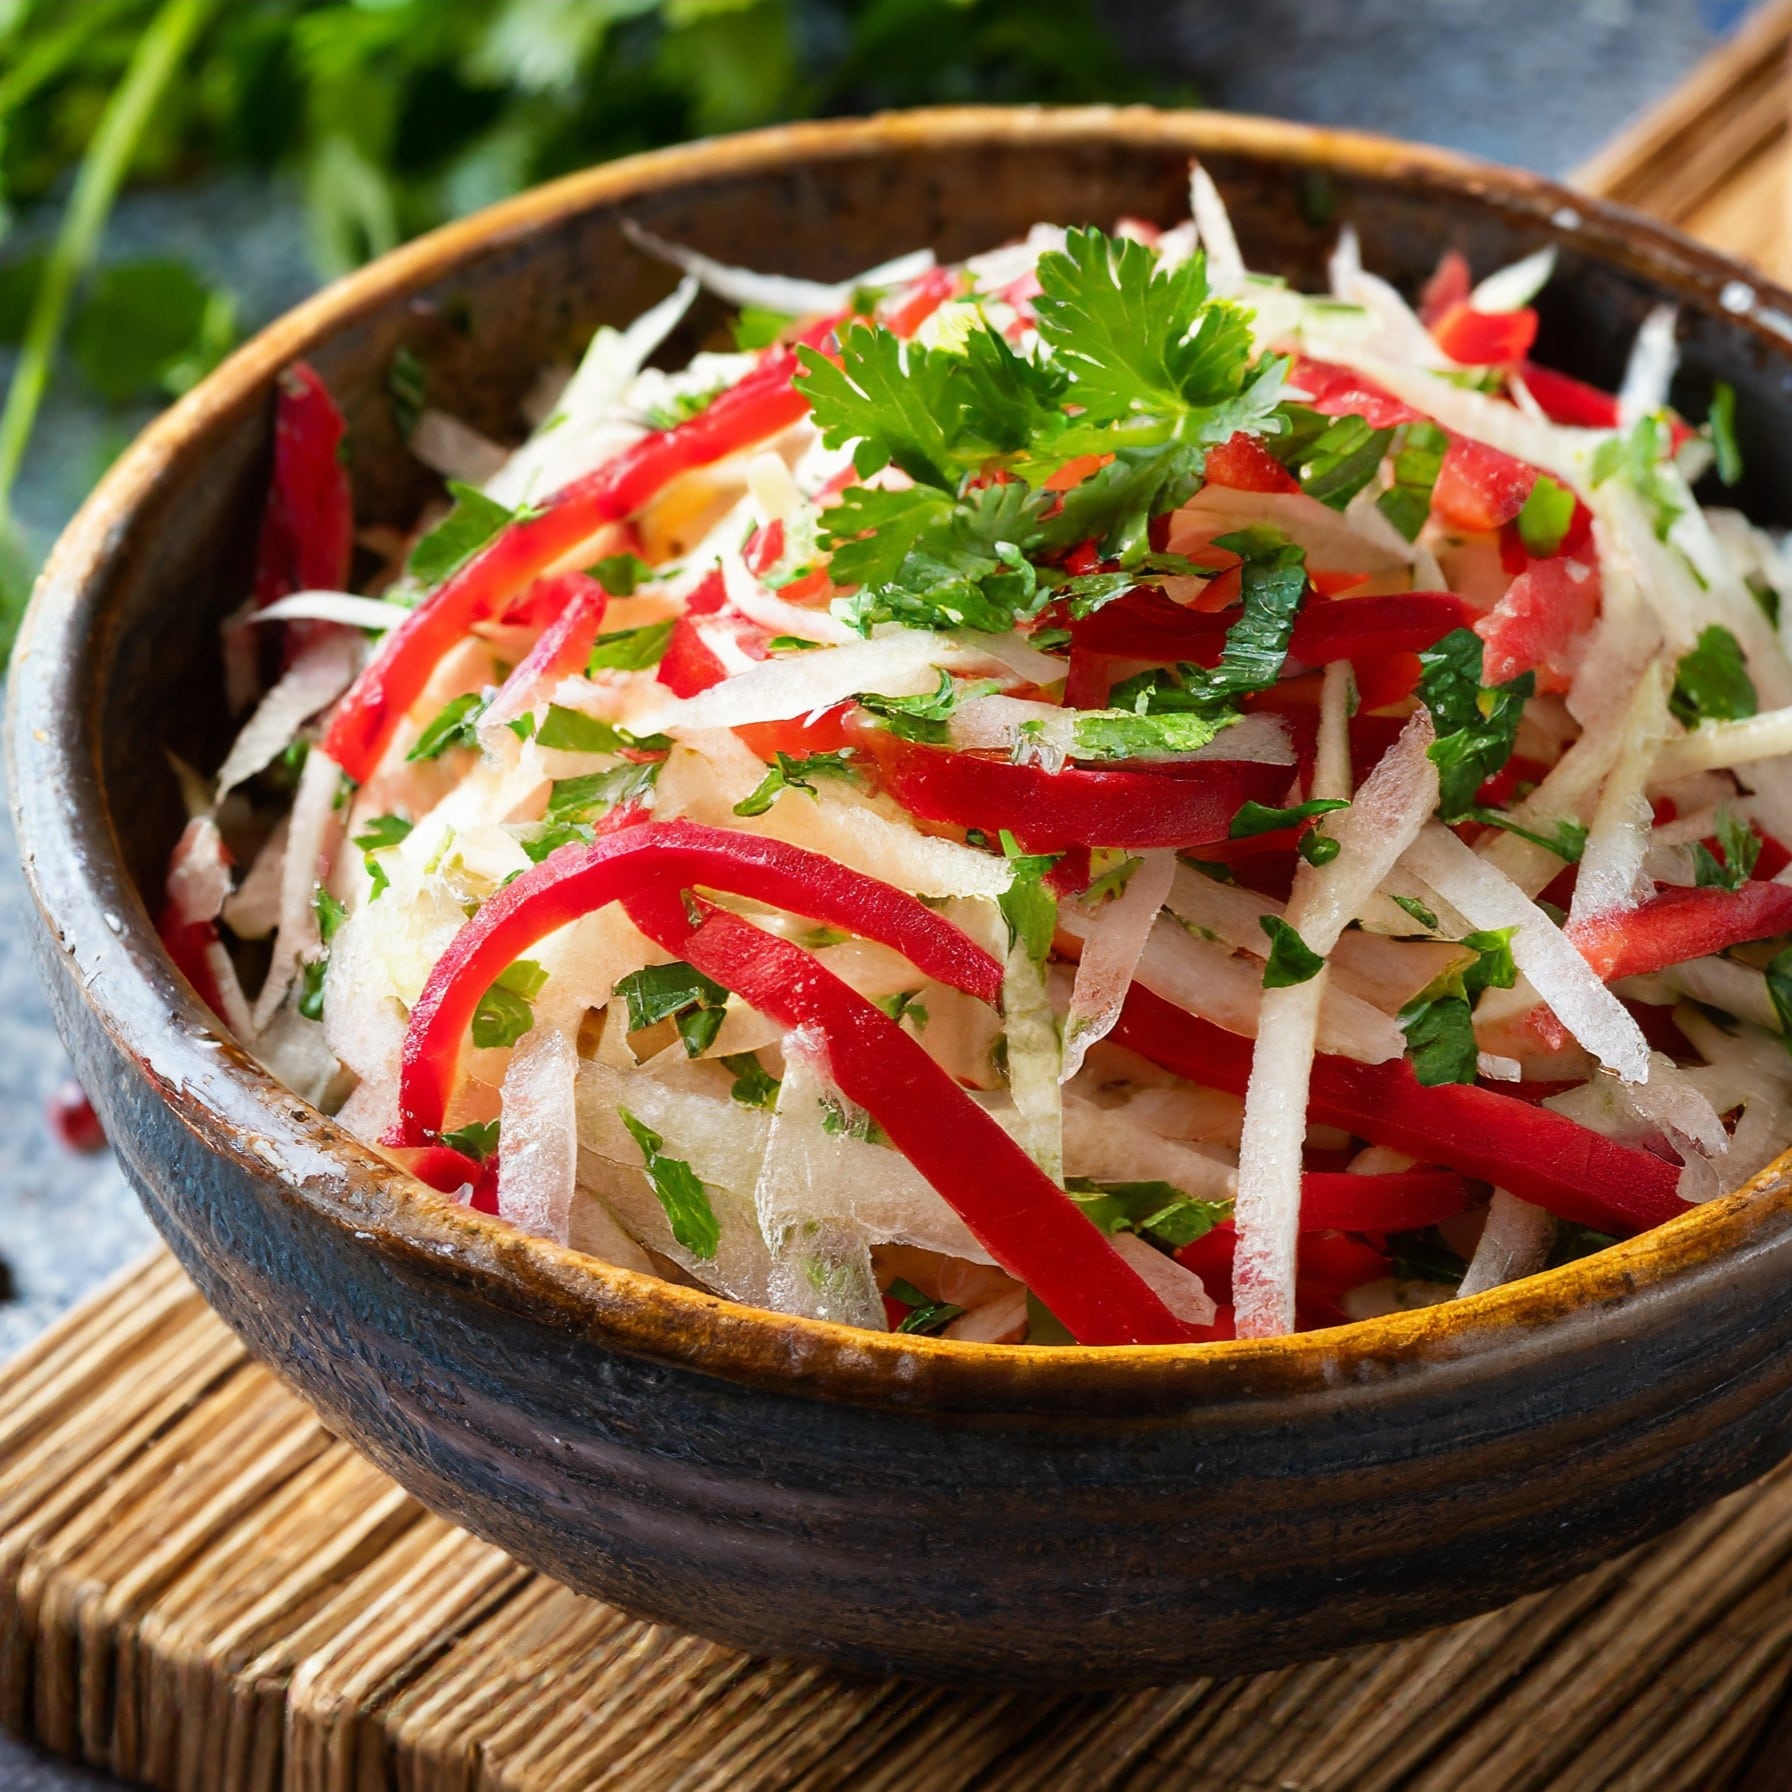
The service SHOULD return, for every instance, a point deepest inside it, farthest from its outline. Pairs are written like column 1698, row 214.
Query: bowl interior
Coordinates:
column 164, row 552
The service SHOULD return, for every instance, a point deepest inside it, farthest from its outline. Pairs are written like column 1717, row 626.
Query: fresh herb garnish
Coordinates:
column 1425, row 917
column 330, row 913
column 504, row 1013
column 1291, row 960
column 1156, row 1210
column 920, row 718
column 572, row 731
column 1332, row 457
column 1255, row 818
column 787, row 773
column 681, row 407
column 630, row 649
column 754, row 1085
column 456, row 725
column 478, row 1139
column 905, row 1004
column 678, row 993
column 1711, row 683
column 1637, row 458
column 1741, row 847
column 1111, row 879
column 679, row 1191
column 1029, row 908
column 474, row 520
column 1566, row 839
column 620, row 574
column 1439, row 1021
column 1544, row 521
column 586, row 798
column 925, row 1315
column 1418, row 457
column 1476, row 725
column 1722, row 429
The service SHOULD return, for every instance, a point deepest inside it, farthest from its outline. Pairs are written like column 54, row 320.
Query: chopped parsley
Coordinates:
column 1638, row 458
column 330, row 913
column 1711, row 683
column 1418, row 457
column 787, row 773
column 630, row 649
column 1722, row 430
column 1425, row 917
column 620, row 574
column 1029, row 908
column 1110, row 879
column 1332, row 457
column 504, row 1013
column 1476, row 725
column 1740, row 846
column 1256, row 818
column 754, row 1085
column 572, row 731
column 1291, row 960
column 377, row 834
column 584, row 799
column 474, row 521
column 1158, row 1211
column 478, row 1139
column 679, row 1191
column 679, row 993
column 1544, row 521
column 920, row 718
column 1566, row 839
column 925, row 1315
column 1439, row 1021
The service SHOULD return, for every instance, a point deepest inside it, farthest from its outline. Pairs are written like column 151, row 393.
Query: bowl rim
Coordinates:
column 74, row 868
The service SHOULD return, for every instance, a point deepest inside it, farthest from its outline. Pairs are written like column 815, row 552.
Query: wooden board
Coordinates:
column 201, row 1589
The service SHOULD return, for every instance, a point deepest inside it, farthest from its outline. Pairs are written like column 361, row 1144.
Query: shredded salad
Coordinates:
column 1085, row 795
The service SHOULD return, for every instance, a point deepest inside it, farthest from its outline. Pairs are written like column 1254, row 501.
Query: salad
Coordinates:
column 1085, row 795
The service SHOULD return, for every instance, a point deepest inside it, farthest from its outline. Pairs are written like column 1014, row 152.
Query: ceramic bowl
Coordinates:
column 954, row 1511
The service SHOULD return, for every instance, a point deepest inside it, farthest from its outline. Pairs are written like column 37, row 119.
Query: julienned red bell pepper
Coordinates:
column 307, row 530
column 1336, row 391
column 1180, row 805
column 689, row 664
column 1025, row 1221
column 906, row 313
column 448, row 1171
column 1681, row 924
column 1539, row 1155
column 1393, row 1201
column 1564, row 399
column 577, row 880
column 562, row 649
column 1474, row 338
column 1366, row 628
column 761, row 405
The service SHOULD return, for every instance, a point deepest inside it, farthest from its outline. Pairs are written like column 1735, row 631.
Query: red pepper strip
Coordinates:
column 564, row 646
column 577, row 880
column 1681, row 924
column 908, row 313
column 1540, row 1155
column 1564, row 399
column 448, row 1171
column 1474, row 338
column 307, row 530
column 761, row 405
column 1025, row 1221
column 1366, row 627
column 1450, row 284
column 689, row 664
column 195, row 947
column 1181, row 805
column 1397, row 1201
column 1148, row 624
column 1336, row 391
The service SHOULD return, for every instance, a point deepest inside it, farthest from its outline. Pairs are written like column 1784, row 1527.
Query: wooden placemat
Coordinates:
column 201, row 1589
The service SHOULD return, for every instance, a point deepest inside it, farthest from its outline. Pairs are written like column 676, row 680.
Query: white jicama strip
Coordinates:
column 1399, row 330
column 1650, row 370
column 773, row 292
column 1513, row 287
column 1737, row 989
column 311, row 842
column 198, row 887
column 538, row 1166
column 821, row 1263
column 1179, row 1289
column 1561, row 977
column 772, row 613
column 1213, row 229
column 1035, row 1055
column 1515, row 1242
column 373, row 613
column 1047, row 733
column 1674, row 1103
column 1715, row 745
column 1111, row 954
column 455, row 449
column 320, row 674
column 1328, row 538
column 580, row 431
column 1387, row 812
column 1119, row 1145
column 1611, row 866
column 1026, row 662
column 252, row 909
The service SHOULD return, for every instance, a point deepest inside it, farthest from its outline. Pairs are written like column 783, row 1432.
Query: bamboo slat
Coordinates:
column 202, row 1590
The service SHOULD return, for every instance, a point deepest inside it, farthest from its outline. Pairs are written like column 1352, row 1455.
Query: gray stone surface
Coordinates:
column 1536, row 82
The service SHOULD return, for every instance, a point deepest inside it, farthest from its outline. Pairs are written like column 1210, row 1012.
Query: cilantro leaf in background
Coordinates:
column 1291, row 960
column 679, row 993
column 1332, row 457
column 148, row 327
column 630, row 649
column 679, row 1191
column 474, row 521
column 1476, row 725
column 1711, row 683
column 1722, row 430
column 1439, row 1021
column 787, row 773
column 1741, row 847
column 1418, row 456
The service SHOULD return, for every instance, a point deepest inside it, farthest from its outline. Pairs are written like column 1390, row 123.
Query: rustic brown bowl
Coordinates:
column 954, row 1511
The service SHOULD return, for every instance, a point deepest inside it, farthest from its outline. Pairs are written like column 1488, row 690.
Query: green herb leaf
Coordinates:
column 1439, row 1021
column 756, row 327
column 478, row 1139
column 1476, row 726
column 1291, row 960
column 150, row 327
column 754, row 1086
column 1722, row 427
column 586, row 798
column 380, row 831
column 457, row 725
column 1113, row 880
column 787, row 773
column 504, row 1013
column 539, row 839
column 906, row 1003
column 1544, row 520
column 1425, row 917
column 1638, row 458
column 1332, row 457
column 474, row 521
column 1712, row 683
column 1029, row 908
column 1566, row 839
column 679, row 1191
column 620, row 574
column 678, row 993
column 330, row 913
column 630, row 649
column 681, row 408
column 1156, row 1210
column 915, row 718
column 1418, row 456
column 407, row 383
column 572, row 731
column 1741, row 847
column 925, row 1315
column 1779, row 990
column 1255, row 818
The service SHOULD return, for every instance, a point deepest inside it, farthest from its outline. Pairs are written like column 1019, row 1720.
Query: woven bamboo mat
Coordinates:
column 201, row 1589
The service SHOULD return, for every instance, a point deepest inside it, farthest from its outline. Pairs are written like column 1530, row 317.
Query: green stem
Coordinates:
column 157, row 58
column 48, row 56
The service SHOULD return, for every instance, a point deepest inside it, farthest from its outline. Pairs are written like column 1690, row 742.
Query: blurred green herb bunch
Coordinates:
column 391, row 115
